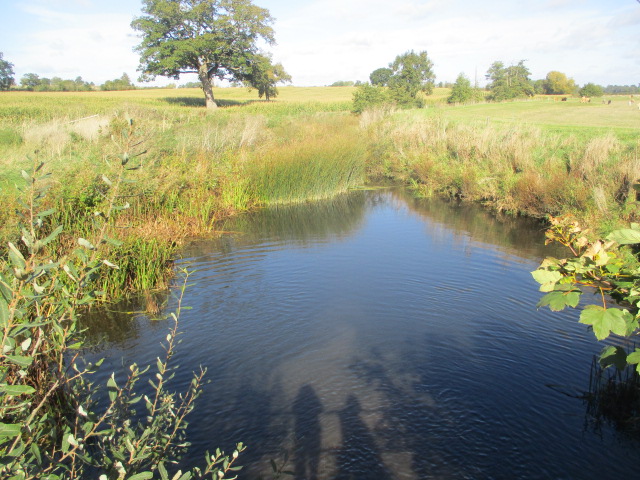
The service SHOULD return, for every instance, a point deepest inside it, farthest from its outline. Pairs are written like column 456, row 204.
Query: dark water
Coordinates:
column 378, row 336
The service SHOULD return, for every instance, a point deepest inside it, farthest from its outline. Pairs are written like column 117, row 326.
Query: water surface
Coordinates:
column 379, row 336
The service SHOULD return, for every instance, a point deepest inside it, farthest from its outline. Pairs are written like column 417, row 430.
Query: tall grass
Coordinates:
column 200, row 167
column 514, row 168
column 320, row 163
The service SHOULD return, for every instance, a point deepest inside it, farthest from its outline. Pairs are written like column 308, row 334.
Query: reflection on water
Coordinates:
column 379, row 336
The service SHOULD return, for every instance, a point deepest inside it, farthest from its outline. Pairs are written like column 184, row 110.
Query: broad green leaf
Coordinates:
column 52, row 236
column 546, row 276
column 46, row 213
column 634, row 359
column 163, row 471
column 20, row 360
column 605, row 320
column 112, row 241
column 15, row 390
column 9, row 430
column 110, row 265
column 16, row 257
column 558, row 300
column 35, row 451
column 86, row 243
column 613, row 356
column 112, row 387
column 625, row 236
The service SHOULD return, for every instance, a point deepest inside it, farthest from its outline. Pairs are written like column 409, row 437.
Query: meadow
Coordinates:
column 193, row 168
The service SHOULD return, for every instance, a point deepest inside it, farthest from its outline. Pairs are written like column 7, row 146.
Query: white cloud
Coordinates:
column 321, row 41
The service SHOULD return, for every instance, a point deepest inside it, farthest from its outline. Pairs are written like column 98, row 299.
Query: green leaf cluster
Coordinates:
column 595, row 266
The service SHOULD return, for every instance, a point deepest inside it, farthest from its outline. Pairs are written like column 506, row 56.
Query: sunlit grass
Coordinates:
column 535, row 156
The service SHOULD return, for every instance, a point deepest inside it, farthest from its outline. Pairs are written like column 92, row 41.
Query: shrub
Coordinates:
column 367, row 96
column 52, row 423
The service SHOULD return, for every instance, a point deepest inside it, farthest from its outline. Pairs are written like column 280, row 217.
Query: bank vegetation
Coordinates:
column 101, row 190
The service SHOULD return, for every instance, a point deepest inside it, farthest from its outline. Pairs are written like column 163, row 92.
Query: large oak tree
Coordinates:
column 212, row 38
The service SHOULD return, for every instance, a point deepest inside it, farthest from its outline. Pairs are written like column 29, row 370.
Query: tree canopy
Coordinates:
column 591, row 90
column 6, row 74
column 380, row 76
column 557, row 83
column 212, row 38
column 411, row 73
column 462, row 91
column 408, row 75
column 264, row 76
column 509, row 82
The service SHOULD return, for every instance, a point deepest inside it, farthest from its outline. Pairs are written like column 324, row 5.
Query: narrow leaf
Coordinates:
column 86, row 243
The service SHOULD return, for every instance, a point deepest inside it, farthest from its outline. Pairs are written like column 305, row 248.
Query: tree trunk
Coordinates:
column 207, row 87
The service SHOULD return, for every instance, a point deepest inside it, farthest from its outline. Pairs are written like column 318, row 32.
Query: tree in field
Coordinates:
column 557, row 83
column 30, row 81
column 6, row 74
column 212, row 38
column 509, row 82
column 412, row 73
column 591, row 90
column 380, row 76
column 264, row 76
column 462, row 91
column 369, row 96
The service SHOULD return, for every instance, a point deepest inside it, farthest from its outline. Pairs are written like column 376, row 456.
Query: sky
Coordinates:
column 323, row 41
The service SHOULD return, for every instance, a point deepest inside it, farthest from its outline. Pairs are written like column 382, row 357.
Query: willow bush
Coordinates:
column 52, row 422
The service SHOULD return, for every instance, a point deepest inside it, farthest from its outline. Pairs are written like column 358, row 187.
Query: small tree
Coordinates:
column 380, row 76
column 591, row 90
column 509, row 82
column 367, row 96
column 557, row 83
column 213, row 38
column 412, row 74
column 6, row 74
column 462, row 91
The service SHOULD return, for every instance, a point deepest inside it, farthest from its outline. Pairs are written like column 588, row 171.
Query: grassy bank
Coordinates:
column 523, row 158
column 193, row 167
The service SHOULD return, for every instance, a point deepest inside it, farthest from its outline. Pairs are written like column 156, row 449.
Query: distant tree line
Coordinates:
column 33, row 82
column 122, row 83
column 622, row 89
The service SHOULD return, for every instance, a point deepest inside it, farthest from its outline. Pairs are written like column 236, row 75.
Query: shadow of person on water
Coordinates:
column 358, row 457
column 307, row 433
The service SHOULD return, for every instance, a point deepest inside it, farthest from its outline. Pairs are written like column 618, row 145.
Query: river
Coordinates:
column 380, row 336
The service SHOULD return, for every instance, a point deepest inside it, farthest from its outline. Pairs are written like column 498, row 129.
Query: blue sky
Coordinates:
column 323, row 41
